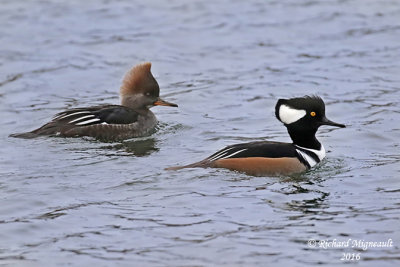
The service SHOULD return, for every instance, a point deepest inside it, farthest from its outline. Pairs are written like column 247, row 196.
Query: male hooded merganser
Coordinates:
column 139, row 92
column 302, row 117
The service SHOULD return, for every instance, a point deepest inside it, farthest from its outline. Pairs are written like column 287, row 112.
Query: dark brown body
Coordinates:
column 144, row 125
column 139, row 92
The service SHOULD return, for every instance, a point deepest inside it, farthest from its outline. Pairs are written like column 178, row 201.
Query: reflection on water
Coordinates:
column 79, row 202
column 141, row 147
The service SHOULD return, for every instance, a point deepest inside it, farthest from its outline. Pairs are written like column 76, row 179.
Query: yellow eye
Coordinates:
column 313, row 114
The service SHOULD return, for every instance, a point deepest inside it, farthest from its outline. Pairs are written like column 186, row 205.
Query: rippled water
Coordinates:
column 80, row 202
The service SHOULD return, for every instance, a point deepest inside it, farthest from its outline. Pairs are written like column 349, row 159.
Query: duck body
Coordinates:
column 133, row 118
column 302, row 118
column 102, row 122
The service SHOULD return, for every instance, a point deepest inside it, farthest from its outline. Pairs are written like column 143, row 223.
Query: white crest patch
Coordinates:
column 289, row 115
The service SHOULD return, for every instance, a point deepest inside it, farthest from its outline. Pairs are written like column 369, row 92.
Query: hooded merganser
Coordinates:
column 139, row 92
column 302, row 117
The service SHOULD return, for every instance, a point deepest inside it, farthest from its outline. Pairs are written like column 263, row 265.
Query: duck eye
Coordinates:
column 313, row 114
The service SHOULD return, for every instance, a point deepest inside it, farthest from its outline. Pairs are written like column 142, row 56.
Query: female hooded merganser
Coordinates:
column 139, row 92
column 302, row 117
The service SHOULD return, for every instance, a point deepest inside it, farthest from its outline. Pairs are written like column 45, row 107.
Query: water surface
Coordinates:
column 81, row 202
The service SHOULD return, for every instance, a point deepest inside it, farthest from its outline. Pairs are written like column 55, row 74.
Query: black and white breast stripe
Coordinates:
column 108, row 114
column 311, row 156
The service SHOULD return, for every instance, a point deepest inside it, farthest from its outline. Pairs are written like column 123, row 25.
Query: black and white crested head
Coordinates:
column 292, row 110
column 302, row 116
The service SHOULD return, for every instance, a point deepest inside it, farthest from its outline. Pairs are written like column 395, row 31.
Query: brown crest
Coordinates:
column 135, row 78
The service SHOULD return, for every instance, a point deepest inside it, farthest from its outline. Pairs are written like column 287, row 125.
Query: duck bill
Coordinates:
column 160, row 102
column 326, row 121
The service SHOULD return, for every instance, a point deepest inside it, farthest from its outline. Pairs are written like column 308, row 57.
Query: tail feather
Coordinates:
column 28, row 135
column 47, row 129
column 200, row 164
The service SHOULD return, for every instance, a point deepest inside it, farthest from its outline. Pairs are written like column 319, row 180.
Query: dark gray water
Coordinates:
column 81, row 202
